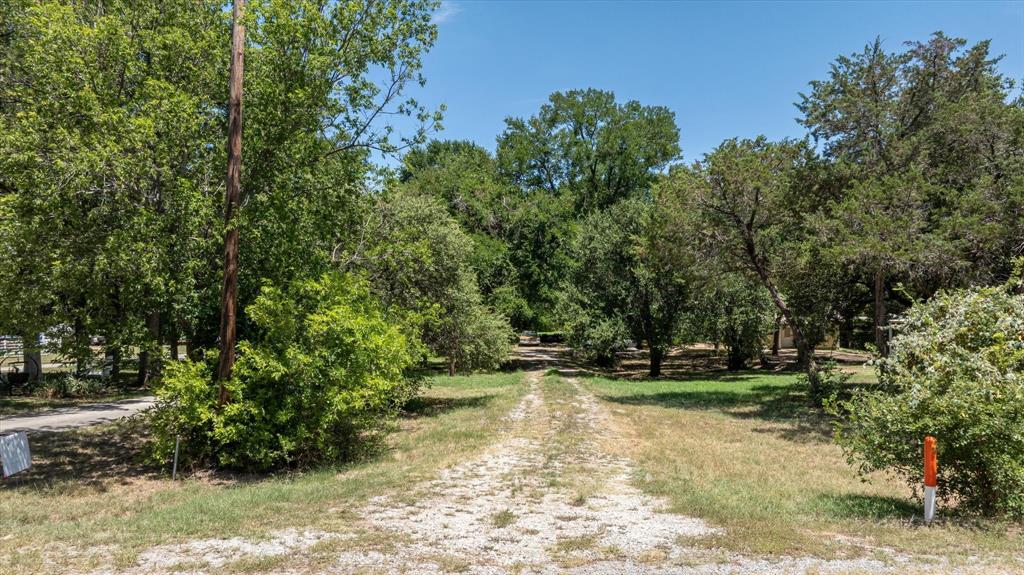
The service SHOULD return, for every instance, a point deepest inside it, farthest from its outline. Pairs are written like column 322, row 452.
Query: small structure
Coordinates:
column 14, row 454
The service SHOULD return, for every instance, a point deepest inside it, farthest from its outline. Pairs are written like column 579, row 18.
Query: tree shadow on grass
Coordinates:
column 858, row 506
column 787, row 407
column 96, row 458
column 424, row 406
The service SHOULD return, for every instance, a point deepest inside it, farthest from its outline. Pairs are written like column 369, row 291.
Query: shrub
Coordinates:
column 321, row 380
column 471, row 335
column 552, row 337
column 597, row 339
column 954, row 372
column 831, row 382
column 63, row 385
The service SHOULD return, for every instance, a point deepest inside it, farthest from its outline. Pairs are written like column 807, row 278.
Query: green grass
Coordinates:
column 748, row 452
column 86, row 492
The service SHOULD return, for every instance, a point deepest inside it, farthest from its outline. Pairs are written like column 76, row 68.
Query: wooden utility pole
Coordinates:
column 229, row 291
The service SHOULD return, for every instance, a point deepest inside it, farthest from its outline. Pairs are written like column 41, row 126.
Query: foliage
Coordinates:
column 954, row 372
column 751, row 196
column 831, row 383
column 105, row 117
column 323, row 377
column 463, row 176
column 594, row 337
column 580, row 153
column 584, row 144
column 631, row 274
column 62, row 385
column 418, row 259
column 734, row 310
column 914, row 140
column 471, row 335
column 112, row 132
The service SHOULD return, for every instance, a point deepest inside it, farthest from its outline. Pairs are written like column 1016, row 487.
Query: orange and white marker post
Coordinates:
column 931, row 471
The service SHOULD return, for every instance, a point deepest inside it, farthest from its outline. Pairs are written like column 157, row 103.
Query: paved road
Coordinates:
column 72, row 417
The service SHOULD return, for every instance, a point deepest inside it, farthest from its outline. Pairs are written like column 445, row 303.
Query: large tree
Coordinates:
column 584, row 144
column 113, row 122
column 632, row 274
column 749, row 193
column 106, row 113
column 464, row 177
column 420, row 261
column 930, row 148
column 582, row 152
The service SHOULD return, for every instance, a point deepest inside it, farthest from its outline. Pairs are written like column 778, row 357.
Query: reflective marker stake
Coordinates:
column 931, row 467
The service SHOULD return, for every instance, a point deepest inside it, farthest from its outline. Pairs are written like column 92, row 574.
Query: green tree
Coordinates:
column 732, row 309
column 418, row 259
column 584, row 144
column 630, row 276
column 322, row 82
column 749, row 193
column 929, row 147
column 580, row 153
column 463, row 176
column 106, row 111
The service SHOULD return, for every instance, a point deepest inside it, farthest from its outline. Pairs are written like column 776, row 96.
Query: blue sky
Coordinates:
column 725, row 69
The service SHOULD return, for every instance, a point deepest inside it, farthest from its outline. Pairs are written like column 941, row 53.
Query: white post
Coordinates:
column 929, row 504
column 174, row 470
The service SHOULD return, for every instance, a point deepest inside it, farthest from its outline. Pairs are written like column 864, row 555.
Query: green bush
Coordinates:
column 596, row 339
column 955, row 371
column 320, row 382
column 65, row 385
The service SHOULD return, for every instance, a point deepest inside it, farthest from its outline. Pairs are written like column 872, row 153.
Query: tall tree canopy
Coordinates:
column 930, row 145
column 584, row 144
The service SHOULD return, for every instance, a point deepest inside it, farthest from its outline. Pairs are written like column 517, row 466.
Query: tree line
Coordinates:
column 585, row 218
column 909, row 180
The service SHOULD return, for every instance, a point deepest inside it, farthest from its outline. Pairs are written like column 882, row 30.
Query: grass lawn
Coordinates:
column 87, row 502
column 745, row 452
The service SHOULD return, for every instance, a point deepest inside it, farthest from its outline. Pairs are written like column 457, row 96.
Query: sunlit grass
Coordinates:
column 91, row 518
column 749, row 453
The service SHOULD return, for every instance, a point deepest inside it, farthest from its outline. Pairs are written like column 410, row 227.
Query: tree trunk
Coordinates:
column 32, row 357
column 736, row 361
column 82, row 348
column 232, row 203
column 657, row 355
column 846, row 333
column 805, row 350
column 810, row 364
column 881, row 315
column 777, row 336
column 146, row 356
column 115, row 363
column 451, row 366
column 172, row 338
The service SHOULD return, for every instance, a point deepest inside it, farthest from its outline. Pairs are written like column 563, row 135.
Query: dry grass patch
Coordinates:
column 87, row 491
column 747, row 452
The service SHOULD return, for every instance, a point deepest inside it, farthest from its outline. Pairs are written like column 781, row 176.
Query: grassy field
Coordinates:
column 86, row 486
column 746, row 452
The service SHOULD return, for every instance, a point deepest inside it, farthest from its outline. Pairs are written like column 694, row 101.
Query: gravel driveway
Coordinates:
column 72, row 417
